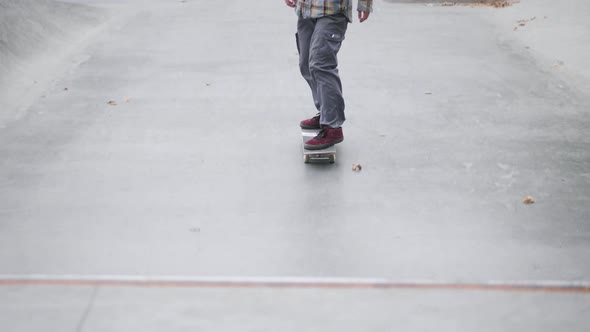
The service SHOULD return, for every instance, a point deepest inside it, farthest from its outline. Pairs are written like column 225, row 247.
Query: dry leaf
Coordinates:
column 528, row 200
column 357, row 167
column 501, row 4
column 112, row 103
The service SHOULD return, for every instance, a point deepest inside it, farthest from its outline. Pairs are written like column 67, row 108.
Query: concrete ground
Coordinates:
column 185, row 205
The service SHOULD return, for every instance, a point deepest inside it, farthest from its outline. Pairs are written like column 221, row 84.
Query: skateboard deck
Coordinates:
column 327, row 155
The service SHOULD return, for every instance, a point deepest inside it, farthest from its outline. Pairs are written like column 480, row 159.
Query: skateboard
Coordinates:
column 316, row 156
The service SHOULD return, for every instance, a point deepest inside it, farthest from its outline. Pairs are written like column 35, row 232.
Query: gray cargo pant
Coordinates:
column 318, row 43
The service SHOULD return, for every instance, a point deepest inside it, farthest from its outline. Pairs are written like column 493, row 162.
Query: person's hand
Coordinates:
column 291, row 3
column 363, row 15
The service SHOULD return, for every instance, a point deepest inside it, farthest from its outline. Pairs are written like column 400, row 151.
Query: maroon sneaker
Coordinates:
column 325, row 139
column 313, row 123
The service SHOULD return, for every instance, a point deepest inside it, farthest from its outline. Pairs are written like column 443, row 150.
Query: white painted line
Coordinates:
column 581, row 286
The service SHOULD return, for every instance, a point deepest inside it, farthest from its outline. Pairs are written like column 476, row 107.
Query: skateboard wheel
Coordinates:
column 332, row 159
column 306, row 159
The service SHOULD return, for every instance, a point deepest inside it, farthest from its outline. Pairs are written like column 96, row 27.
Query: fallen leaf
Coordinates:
column 357, row 167
column 112, row 103
column 529, row 200
column 501, row 4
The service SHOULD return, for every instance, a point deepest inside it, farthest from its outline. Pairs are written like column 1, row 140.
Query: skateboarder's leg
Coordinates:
column 305, row 29
column 325, row 43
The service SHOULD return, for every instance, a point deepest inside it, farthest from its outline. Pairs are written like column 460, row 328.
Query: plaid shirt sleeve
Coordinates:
column 365, row 6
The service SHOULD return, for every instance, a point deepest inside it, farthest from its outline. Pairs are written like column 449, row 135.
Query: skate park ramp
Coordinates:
column 36, row 36
column 156, row 181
